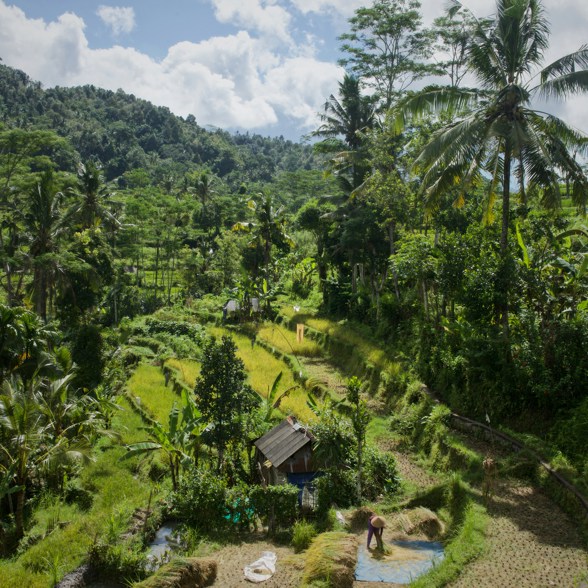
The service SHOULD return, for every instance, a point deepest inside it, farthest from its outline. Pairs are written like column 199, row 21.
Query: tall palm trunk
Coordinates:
column 19, row 514
column 40, row 285
column 504, row 236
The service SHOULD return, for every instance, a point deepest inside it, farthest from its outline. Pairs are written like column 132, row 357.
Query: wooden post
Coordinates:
column 299, row 332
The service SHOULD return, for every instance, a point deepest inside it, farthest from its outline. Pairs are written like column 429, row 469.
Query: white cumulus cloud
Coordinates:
column 235, row 81
column 263, row 16
column 342, row 7
column 48, row 52
column 299, row 87
column 120, row 19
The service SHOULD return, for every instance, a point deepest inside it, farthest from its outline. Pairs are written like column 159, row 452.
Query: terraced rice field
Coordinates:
column 531, row 542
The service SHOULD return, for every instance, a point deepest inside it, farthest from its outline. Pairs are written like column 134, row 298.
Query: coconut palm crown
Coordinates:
column 495, row 131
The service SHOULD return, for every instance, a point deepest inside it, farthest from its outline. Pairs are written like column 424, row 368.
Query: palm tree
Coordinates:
column 204, row 187
column 43, row 223
column 23, row 341
column 93, row 198
column 268, row 231
column 344, row 122
column 32, row 439
column 497, row 133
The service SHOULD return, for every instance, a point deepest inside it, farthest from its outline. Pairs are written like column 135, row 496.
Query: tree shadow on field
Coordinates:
column 531, row 510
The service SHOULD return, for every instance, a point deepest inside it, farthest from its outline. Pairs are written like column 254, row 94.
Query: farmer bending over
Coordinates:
column 376, row 526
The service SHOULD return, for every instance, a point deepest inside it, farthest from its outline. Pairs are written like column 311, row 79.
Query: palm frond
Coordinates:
column 431, row 100
column 140, row 448
column 566, row 65
column 485, row 63
column 564, row 86
column 570, row 137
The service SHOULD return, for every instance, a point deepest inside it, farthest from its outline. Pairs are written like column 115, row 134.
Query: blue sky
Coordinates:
column 263, row 66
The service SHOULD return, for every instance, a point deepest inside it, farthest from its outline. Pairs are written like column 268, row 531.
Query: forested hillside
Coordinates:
column 126, row 133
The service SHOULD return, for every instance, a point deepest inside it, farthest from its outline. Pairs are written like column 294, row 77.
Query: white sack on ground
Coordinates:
column 261, row 569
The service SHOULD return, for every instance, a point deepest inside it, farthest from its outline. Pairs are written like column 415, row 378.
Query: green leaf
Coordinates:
column 140, row 448
column 523, row 247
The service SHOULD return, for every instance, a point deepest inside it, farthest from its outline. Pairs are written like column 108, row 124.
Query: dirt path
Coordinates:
column 232, row 559
column 412, row 472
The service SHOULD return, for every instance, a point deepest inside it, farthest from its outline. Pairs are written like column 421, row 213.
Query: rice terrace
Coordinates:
column 355, row 361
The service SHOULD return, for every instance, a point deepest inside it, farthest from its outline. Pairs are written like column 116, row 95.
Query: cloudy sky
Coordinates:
column 266, row 66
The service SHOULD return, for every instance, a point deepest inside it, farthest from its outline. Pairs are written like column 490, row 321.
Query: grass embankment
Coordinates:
column 62, row 534
column 263, row 368
column 352, row 350
column 148, row 384
column 187, row 368
column 285, row 341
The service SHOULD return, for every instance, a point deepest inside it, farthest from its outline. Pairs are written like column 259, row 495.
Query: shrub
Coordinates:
column 118, row 561
column 74, row 493
column 569, row 433
column 302, row 535
column 240, row 511
column 336, row 442
column 278, row 505
column 200, row 500
column 176, row 328
column 336, row 486
column 380, row 474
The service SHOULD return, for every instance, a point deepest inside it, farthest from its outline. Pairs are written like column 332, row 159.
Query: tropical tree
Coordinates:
column 180, row 441
column 21, row 424
column 21, row 152
column 268, row 231
column 222, row 396
column 313, row 217
column 345, row 121
column 360, row 419
column 387, row 48
column 40, row 428
column 93, row 198
column 203, row 186
column 23, row 341
column 43, row 223
column 453, row 32
column 497, row 133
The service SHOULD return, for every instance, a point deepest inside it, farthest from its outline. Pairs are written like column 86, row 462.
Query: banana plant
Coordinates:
column 180, row 441
column 274, row 398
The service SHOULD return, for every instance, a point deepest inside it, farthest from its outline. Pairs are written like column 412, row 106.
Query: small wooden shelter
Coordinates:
column 284, row 454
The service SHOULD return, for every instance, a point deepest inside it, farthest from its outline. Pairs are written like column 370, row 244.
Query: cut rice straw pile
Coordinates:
column 332, row 558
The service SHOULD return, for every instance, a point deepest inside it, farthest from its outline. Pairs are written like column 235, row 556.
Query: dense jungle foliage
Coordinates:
column 450, row 230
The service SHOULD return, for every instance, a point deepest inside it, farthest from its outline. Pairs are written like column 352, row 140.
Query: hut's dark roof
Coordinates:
column 283, row 441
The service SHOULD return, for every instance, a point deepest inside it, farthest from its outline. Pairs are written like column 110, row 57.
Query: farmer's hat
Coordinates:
column 378, row 522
